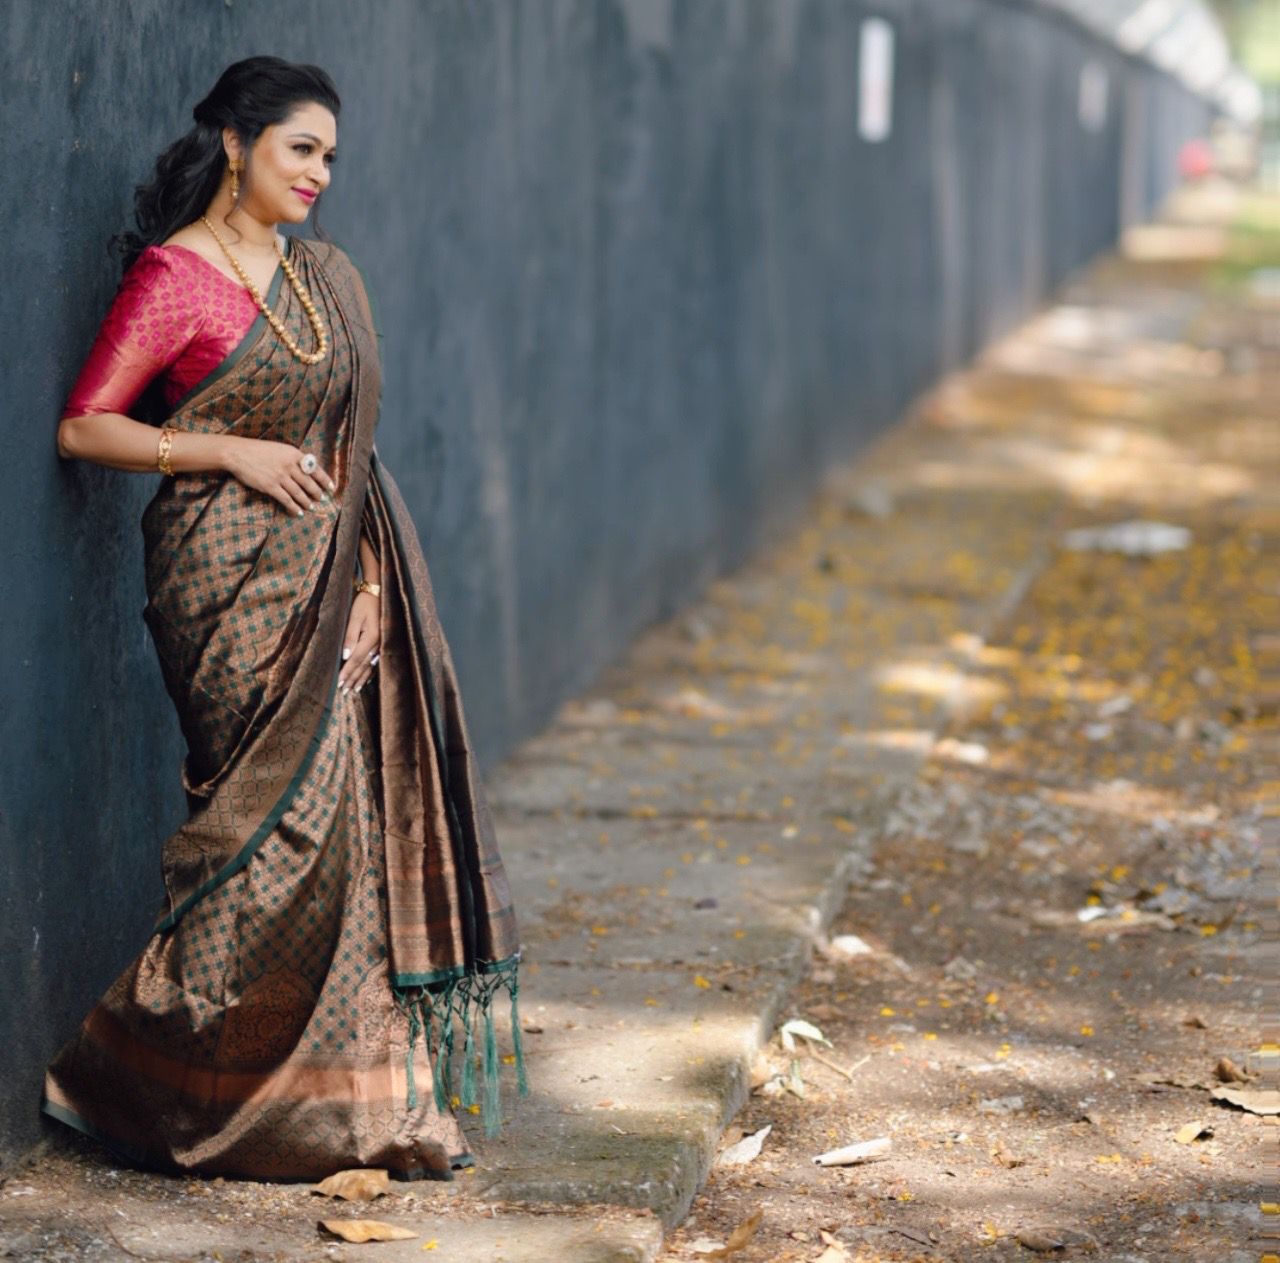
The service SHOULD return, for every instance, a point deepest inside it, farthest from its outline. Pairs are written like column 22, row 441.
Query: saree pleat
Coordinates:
column 336, row 898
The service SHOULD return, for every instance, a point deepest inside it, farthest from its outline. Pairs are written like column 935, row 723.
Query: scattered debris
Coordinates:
column 1042, row 1242
column 360, row 1184
column 1255, row 1100
column 873, row 499
column 740, row 1238
column 1000, row 1105
column 359, row 1231
column 846, row 947
column 1228, row 1072
column 806, row 1030
column 863, row 1151
column 745, row 1150
column 1001, row 1153
column 1133, row 539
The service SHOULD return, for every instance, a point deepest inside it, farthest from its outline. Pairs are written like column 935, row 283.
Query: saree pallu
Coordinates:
column 336, row 900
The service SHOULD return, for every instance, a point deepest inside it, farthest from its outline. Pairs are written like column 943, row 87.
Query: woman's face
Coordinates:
column 288, row 165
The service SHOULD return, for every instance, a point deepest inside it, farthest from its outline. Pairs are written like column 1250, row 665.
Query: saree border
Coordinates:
column 455, row 829
column 268, row 822
column 147, row 1162
column 241, row 348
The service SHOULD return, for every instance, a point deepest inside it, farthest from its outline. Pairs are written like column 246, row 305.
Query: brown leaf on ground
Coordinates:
column 359, row 1184
column 1255, row 1100
column 361, row 1230
column 740, row 1237
column 1043, row 1243
column 1229, row 1072
column 1004, row 1157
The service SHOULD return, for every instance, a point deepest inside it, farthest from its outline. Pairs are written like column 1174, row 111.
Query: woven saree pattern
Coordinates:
column 335, row 900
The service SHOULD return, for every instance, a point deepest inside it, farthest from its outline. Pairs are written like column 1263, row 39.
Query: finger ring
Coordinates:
column 308, row 464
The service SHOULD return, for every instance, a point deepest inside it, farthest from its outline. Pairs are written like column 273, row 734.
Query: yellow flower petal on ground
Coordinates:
column 888, row 1012
column 1086, row 1030
column 700, row 981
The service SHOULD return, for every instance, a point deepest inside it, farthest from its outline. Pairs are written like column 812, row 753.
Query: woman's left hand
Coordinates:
column 361, row 643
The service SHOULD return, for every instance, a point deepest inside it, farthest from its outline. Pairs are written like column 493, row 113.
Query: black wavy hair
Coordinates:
column 250, row 95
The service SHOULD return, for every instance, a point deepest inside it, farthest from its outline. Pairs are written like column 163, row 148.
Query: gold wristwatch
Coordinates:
column 363, row 585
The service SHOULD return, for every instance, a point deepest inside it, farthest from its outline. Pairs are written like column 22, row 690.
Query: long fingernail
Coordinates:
column 346, row 653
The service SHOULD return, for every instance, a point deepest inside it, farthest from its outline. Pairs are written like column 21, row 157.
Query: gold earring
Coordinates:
column 235, row 166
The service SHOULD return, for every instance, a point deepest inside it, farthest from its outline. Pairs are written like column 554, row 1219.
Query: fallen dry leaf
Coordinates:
column 1192, row 1131
column 833, row 1254
column 740, row 1236
column 1041, row 1242
column 360, row 1184
column 745, row 1150
column 1229, row 1072
column 1004, row 1157
column 1255, row 1100
column 361, row 1230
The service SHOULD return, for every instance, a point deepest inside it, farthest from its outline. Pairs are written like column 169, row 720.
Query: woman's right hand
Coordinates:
column 275, row 469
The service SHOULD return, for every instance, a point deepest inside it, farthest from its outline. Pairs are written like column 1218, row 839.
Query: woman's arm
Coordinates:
column 111, row 438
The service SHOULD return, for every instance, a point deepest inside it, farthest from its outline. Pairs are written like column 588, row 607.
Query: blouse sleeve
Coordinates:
column 152, row 319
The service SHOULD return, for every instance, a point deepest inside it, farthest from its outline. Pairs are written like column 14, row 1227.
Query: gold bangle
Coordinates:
column 162, row 452
column 363, row 585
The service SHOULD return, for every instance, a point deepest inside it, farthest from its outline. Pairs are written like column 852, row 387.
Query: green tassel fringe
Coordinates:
column 468, row 1062
column 467, row 998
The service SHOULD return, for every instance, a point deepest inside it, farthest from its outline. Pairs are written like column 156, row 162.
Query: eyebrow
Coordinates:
column 310, row 136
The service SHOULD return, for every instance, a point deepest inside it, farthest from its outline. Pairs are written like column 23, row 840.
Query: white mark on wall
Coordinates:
column 1093, row 96
column 875, row 80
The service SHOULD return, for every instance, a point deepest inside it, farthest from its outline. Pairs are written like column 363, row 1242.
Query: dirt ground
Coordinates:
column 1058, row 946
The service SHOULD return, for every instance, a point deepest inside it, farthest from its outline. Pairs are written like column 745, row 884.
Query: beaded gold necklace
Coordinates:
column 322, row 337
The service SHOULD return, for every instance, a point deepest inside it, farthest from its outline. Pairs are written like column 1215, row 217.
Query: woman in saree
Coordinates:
column 335, row 899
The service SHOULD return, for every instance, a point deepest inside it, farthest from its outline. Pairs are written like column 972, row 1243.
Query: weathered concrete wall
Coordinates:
column 640, row 281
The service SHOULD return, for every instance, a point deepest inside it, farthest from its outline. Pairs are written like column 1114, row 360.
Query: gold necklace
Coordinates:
column 322, row 337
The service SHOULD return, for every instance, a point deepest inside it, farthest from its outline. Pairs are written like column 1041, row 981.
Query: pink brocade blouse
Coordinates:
column 174, row 313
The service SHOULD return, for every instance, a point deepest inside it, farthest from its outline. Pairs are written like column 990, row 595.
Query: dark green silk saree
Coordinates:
column 336, row 898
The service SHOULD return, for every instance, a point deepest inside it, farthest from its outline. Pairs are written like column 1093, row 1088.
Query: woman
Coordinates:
column 336, row 897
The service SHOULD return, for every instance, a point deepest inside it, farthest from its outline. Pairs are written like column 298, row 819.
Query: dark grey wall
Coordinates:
column 640, row 281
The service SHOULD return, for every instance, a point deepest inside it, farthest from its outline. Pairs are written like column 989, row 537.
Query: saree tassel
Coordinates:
column 414, row 1026
column 492, row 1099
column 469, row 1059
column 448, row 998
column 517, row 1045
column 437, row 1083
